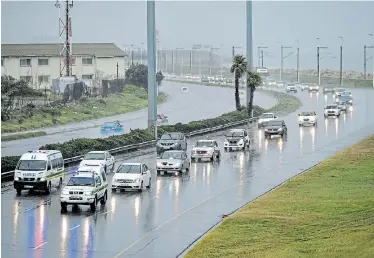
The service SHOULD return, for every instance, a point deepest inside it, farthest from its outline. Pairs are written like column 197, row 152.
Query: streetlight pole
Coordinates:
column 172, row 60
column 211, row 58
column 261, row 56
column 341, row 62
column 132, row 54
column 152, row 86
column 221, row 62
column 281, row 59
column 298, row 62
column 365, row 60
column 372, row 35
column 318, row 59
column 249, row 42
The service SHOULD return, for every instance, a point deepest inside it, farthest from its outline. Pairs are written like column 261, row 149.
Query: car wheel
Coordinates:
column 212, row 158
column 64, row 207
column 19, row 191
column 225, row 149
column 149, row 183
column 59, row 183
column 103, row 200
column 93, row 205
column 49, row 188
column 114, row 190
column 105, row 170
column 141, row 187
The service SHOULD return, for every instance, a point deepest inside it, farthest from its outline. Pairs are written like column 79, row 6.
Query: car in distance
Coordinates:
column 291, row 87
column 271, row 82
column 171, row 141
column 264, row 118
column 345, row 99
column 236, row 138
column 343, row 106
column 280, row 84
column 332, row 110
column 112, row 127
column 205, row 149
column 131, row 176
column 85, row 188
column 275, row 127
column 173, row 162
column 162, row 119
column 313, row 87
column 304, row 86
column 98, row 158
column 328, row 88
column 338, row 91
column 308, row 118
column 347, row 93
column 204, row 79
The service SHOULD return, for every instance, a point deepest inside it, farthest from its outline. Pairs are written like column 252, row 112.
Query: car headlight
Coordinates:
column 240, row 141
column 16, row 178
column 350, row 101
column 114, row 180
column 137, row 180
column 43, row 179
column 280, row 129
column 65, row 192
column 177, row 164
column 88, row 193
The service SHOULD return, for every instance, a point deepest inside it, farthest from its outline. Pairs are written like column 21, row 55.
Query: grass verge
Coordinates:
column 19, row 136
column 132, row 99
column 325, row 212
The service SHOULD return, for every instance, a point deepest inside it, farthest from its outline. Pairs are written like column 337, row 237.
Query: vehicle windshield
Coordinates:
column 110, row 124
column 329, row 86
column 291, row 85
column 347, row 93
column 267, row 116
column 94, row 156
column 170, row 136
column 129, row 169
column 204, row 144
column 307, row 114
column 332, row 107
column 339, row 90
column 32, row 165
column 81, row 181
column 171, row 155
column 312, row 84
column 234, row 134
column 274, row 123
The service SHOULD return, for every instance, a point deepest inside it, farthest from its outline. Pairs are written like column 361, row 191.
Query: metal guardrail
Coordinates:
column 133, row 147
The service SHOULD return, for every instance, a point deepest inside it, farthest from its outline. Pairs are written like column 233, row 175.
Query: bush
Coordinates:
column 9, row 163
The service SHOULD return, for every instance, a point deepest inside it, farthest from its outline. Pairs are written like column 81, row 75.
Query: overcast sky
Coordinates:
column 182, row 24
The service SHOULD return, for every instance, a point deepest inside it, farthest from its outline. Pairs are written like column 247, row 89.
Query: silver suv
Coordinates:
column 171, row 141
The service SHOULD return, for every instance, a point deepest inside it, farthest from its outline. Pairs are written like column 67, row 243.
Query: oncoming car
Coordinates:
column 112, row 127
column 264, row 118
column 275, row 127
column 173, row 162
column 309, row 118
column 205, row 149
column 236, row 138
column 131, row 176
column 85, row 188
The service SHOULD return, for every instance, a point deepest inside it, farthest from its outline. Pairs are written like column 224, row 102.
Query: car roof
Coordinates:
column 85, row 174
column 96, row 152
column 132, row 164
column 206, row 140
column 174, row 151
column 276, row 120
column 267, row 114
column 237, row 130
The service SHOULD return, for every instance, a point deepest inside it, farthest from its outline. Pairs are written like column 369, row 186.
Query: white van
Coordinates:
column 39, row 170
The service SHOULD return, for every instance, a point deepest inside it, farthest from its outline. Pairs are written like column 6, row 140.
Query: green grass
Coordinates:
column 19, row 136
column 326, row 212
column 132, row 99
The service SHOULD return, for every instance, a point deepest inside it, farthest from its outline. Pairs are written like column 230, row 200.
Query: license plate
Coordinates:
column 125, row 184
column 29, row 174
column 75, row 198
column 29, row 186
column 167, row 148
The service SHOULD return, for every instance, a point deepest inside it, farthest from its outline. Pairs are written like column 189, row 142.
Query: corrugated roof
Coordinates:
column 92, row 49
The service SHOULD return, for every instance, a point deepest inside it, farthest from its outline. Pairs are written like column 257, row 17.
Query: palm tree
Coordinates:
column 253, row 81
column 239, row 65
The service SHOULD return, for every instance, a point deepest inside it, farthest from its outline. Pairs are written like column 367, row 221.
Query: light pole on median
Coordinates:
column 298, row 61
column 261, row 55
column 282, row 60
column 151, row 55
column 318, row 61
column 182, row 50
column 341, row 62
column 372, row 35
column 249, row 24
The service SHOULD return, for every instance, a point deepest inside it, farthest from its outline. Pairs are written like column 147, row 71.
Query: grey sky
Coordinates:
column 182, row 24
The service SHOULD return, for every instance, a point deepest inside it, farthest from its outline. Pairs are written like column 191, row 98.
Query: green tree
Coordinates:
column 138, row 75
column 238, row 68
column 253, row 81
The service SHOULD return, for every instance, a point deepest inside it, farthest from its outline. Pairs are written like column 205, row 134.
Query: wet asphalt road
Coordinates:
column 164, row 220
column 197, row 103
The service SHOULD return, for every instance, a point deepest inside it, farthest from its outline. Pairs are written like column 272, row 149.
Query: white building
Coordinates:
column 40, row 63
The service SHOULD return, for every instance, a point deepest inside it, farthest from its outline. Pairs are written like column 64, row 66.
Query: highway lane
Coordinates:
column 162, row 221
column 197, row 103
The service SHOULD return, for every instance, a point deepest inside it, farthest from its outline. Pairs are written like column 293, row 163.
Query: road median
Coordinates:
column 325, row 212
column 19, row 136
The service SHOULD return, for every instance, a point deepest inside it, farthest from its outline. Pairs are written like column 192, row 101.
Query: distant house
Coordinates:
column 40, row 63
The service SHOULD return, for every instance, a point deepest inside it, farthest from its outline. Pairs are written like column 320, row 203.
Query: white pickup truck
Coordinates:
column 97, row 159
column 309, row 118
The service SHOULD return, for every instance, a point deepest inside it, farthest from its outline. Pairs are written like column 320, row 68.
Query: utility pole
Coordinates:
column 117, row 70
column 152, row 86
column 372, row 35
column 260, row 56
column 132, row 54
column 172, row 60
column 282, row 58
column 297, row 62
column 193, row 62
column 190, row 62
column 341, row 62
column 211, row 58
column 365, row 60
column 221, row 62
column 249, row 43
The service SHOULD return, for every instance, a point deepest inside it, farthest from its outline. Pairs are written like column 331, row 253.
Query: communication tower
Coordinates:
column 65, row 35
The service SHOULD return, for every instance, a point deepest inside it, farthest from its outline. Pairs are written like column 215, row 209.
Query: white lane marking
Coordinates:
column 170, row 220
column 40, row 245
column 77, row 226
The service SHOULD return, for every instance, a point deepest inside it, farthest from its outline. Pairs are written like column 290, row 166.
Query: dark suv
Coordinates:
column 171, row 141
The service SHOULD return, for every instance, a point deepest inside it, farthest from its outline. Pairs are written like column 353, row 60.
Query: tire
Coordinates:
column 19, row 191
column 225, row 149
column 141, row 187
column 105, row 170
column 49, row 188
column 219, row 155
column 93, row 205
column 114, row 190
column 103, row 200
column 212, row 158
column 59, row 183
column 64, row 207
column 149, row 183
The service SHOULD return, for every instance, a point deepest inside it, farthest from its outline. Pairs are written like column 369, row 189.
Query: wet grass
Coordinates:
column 326, row 212
column 132, row 99
column 19, row 136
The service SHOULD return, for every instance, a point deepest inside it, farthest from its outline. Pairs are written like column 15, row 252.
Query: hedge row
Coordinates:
column 81, row 146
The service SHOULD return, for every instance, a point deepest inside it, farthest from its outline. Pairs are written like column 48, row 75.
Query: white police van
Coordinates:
column 39, row 170
column 86, row 187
